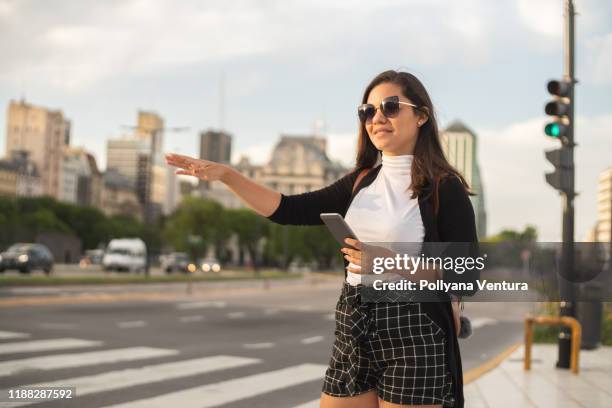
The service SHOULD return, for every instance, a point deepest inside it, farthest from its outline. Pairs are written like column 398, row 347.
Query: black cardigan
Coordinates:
column 454, row 223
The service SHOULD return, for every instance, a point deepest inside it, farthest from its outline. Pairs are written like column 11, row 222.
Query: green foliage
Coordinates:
column 529, row 234
column 195, row 226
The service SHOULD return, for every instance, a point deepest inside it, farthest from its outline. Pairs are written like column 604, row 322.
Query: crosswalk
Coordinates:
column 59, row 354
column 113, row 370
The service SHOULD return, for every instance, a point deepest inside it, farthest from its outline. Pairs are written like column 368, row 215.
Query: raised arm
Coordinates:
column 259, row 198
column 298, row 209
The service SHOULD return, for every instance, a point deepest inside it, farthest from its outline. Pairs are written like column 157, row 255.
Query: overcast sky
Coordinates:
column 288, row 64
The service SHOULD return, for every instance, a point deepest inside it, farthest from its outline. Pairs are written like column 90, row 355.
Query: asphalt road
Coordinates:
column 243, row 348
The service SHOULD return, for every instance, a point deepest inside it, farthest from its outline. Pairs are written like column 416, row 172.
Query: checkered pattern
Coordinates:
column 391, row 347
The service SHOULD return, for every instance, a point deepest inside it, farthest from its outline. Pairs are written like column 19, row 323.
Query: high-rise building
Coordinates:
column 151, row 129
column 603, row 228
column 117, row 196
column 460, row 146
column 124, row 155
column 214, row 146
column 42, row 133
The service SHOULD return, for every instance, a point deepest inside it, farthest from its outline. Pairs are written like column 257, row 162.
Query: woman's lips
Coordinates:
column 381, row 132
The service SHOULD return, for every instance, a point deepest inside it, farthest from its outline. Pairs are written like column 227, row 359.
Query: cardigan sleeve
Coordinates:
column 457, row 225
column 305, row 208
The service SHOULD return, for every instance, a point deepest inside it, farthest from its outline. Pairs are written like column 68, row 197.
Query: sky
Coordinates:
column 287, row 66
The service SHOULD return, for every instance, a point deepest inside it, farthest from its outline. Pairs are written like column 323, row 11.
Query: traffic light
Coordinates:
column 560, row 178
column 560, row 109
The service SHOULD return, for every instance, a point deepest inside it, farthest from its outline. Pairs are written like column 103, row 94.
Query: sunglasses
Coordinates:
column 389, row 107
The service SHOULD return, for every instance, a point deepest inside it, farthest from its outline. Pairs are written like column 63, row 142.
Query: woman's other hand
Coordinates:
column 355, row 255
column 202, row 169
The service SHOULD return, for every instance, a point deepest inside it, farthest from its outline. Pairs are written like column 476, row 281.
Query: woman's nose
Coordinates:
column 379, row 117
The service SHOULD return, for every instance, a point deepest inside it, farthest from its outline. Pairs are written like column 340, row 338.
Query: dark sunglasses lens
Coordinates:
column 390, row 108
column 365, row 112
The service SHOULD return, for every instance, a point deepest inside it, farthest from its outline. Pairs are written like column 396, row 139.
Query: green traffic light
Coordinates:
column 553, row 130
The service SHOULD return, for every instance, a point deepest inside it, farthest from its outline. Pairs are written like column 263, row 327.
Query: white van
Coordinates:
column 126, row 254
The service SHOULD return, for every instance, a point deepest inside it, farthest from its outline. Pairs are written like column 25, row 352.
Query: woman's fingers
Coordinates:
column 354, row 269
column 353, row 242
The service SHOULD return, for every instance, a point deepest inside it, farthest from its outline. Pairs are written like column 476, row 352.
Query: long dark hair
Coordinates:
column 429, row 164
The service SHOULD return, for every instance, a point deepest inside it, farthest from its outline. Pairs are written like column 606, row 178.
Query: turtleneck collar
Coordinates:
column 401, row 164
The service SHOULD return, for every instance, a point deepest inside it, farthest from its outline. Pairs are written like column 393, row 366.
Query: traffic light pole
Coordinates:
column 568, row 304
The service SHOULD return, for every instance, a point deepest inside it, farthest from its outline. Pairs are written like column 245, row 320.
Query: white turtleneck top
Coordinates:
column 383, row 211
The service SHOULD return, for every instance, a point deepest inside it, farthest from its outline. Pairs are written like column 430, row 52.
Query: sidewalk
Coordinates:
column 508, row 385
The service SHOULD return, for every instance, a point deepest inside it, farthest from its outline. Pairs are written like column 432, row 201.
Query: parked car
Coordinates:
column 174, row 262
column 210, row 264
column 125, row 254
column 27, row 257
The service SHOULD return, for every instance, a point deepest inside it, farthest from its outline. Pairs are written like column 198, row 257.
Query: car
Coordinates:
column 125, row 254
column 174, row 262
column 26, row 257
column 210, row 264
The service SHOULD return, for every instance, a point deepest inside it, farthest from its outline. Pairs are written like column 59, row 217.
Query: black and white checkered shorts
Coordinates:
column 391, row 347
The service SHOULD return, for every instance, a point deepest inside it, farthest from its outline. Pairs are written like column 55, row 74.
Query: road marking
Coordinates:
column 224, row 392
column 61, row 326
column 5, row 335
column 310, row 404
column 236, row 315
column 46, row 345
column 310, row 340
column 130, row 377
column 330, row 316
column 301, row 308
column 479, row 322
column 255, row 346
column 216, row 304
column 132, row 324
column 189, row 319
column 73, row 360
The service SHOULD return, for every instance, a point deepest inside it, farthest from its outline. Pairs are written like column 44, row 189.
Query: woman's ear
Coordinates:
column 423, row 116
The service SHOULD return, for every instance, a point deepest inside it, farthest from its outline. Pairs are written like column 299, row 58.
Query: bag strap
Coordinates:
column 360, row 177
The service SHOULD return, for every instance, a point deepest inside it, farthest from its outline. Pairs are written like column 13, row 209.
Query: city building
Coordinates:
column 81, row 180
column 603, row 228
column 42, row 133
column 460, row 146
column 125, row 156
column 150, row 128
column 19, row 176
column 118, row 196
column 214, row 146
column 297, row 164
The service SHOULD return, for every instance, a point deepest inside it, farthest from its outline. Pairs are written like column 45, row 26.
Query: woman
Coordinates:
column 400, row 354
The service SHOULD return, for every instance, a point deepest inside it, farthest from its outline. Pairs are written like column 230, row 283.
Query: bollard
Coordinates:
column 567, row 321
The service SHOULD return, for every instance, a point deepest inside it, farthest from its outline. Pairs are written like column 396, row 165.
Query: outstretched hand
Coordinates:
column 202, row 169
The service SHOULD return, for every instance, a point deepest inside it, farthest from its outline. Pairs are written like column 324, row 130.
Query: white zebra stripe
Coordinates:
column 5, row 335
column 217, row 304
column 311, row 340
column 46, row 345
column 114, row 380
column 224, row 392
column 73, row 360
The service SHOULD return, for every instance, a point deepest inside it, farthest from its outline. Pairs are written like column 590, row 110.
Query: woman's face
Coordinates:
column 398, row 135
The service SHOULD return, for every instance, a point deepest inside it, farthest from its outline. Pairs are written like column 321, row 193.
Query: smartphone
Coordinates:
column 338, row 227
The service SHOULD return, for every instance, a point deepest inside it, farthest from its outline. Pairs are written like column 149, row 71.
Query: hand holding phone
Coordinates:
column 338, row 227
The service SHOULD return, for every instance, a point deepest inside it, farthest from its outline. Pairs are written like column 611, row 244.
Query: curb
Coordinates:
column 477, row 372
